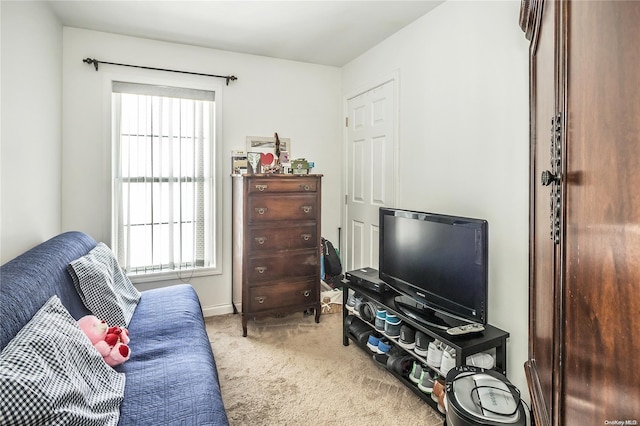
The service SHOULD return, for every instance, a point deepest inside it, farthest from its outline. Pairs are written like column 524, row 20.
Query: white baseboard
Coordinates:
column 209, row 311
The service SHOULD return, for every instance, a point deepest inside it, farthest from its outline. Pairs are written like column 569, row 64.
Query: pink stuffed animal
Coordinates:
column 119, row 354
column 117, row 338
column 94, row 328
column 111, row 342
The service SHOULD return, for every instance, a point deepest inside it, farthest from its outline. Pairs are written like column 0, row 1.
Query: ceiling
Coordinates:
column 329, row 32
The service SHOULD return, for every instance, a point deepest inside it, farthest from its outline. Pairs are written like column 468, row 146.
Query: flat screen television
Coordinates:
column 438, row 264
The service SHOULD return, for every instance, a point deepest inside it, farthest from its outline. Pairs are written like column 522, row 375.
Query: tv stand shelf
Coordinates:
column 464, row 345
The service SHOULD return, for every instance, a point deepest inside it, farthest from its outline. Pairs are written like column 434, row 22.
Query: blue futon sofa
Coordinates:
column 171, row 377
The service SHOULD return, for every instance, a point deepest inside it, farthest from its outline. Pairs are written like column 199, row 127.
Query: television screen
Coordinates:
column 440, row 262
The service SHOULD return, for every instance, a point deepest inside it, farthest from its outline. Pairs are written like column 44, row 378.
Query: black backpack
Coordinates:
column 332, row 264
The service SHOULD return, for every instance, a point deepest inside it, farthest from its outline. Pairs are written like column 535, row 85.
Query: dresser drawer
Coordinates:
column 272, row 185
column 282, row 295
column 263, row 239
column 285, row 207
column 261, row 269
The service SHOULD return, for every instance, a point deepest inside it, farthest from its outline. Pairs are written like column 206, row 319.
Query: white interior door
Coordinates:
column 370, row 171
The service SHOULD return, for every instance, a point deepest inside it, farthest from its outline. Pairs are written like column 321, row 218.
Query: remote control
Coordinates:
column 465, row 329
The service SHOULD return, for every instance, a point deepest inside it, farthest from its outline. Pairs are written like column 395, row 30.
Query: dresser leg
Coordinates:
column 244, row 326
column 317, row 314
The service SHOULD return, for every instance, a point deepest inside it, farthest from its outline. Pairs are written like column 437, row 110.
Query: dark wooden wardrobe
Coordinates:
column 584, row 321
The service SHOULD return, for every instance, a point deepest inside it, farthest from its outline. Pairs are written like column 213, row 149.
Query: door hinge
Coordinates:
column 345, row 199
column 346, row 122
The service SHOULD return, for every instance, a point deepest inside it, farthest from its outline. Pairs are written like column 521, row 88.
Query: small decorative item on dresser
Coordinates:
column 300, row 166
column 254, row 159
column 284, row 157
column 238, row 162
column 267, row 161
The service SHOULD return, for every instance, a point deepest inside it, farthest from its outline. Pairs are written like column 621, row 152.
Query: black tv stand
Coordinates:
column 491, row 339
column 423, row 314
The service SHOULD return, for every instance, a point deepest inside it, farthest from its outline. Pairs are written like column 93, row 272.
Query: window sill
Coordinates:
column 182, row 275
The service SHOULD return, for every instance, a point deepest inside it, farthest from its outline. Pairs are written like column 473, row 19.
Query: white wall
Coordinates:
column 299, row 101
column 463, row 137
column 31, row 126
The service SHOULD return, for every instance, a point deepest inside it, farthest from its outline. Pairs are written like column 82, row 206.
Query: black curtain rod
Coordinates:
column 95, row 63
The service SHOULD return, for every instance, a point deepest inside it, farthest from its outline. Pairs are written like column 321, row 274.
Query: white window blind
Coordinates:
column 164, row 178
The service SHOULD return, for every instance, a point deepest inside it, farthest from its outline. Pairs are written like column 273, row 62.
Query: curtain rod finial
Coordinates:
column 230, row 78
column 91, row 61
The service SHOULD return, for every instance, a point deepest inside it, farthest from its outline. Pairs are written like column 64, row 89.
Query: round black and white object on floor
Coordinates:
column 476, row 396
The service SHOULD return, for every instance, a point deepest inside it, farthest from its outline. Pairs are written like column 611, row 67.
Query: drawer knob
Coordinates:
column 261, row 299
column 261, row 240
column 261, row 210
column 305, row 237
column 261, row 188
column 305, row 187
column 306, row 209
column 261, row 269
column 306, row 293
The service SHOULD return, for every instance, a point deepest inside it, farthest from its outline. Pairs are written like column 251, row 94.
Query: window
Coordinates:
column 164, row 171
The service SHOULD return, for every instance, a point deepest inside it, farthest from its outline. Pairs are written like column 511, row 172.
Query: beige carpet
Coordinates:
column 292, row 371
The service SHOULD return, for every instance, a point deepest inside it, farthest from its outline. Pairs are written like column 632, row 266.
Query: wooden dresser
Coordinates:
column 276, row 244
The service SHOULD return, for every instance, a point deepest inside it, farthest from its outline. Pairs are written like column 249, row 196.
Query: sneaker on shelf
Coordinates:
column 358, row 301
column 384, row 346
column 442, row 400
column 438, row 389
column 448, row 360
column 407, row 337
column 372, row 342
column 384, row 352
column 416, row 372
column 381, row 359
column 422, row 344
column 357, row 330
column 434, row 354
column 381, row 316
column 351, row 301
column 400, row 362
column 392, row 325
column 426, row 381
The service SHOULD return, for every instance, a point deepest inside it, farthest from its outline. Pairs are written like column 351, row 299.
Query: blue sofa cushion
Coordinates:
column 29, row 280
column 170, row 356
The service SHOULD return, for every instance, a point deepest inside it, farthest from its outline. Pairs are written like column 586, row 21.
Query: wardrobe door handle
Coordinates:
column 548, row 178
